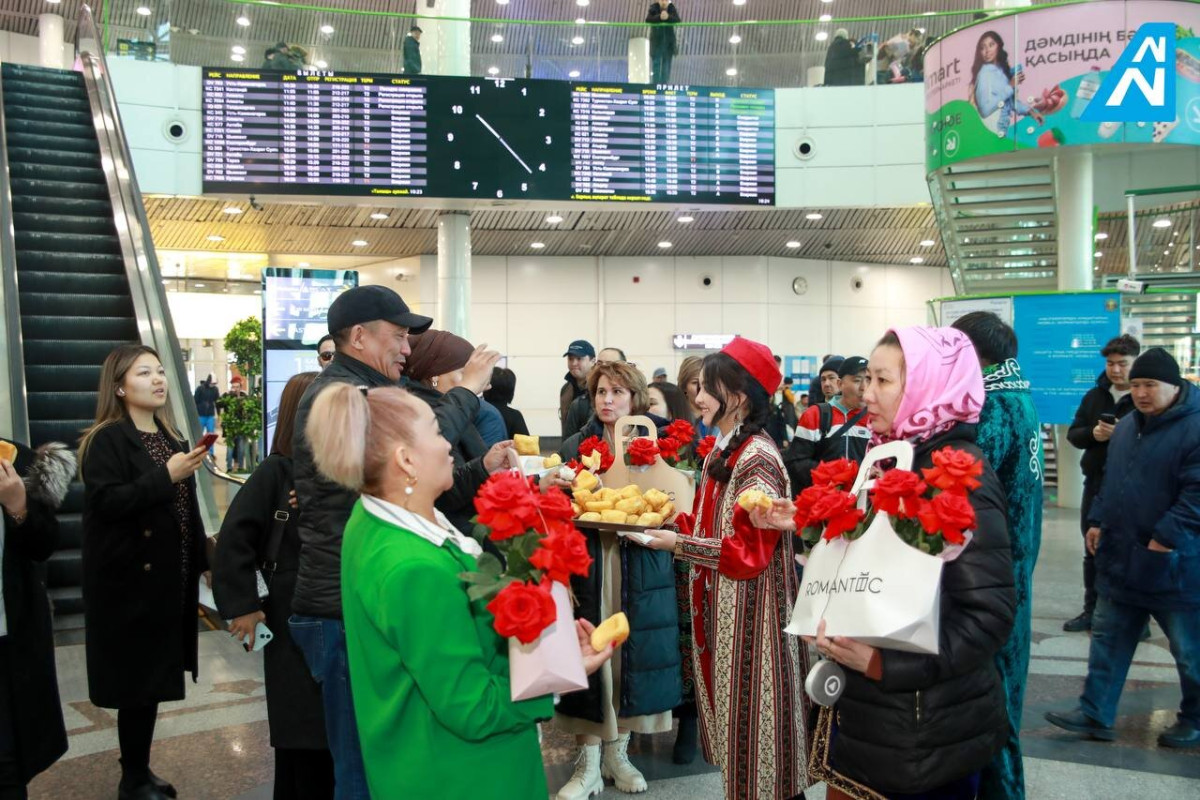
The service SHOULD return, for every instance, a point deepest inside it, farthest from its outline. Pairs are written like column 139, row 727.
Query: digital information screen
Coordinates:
column 482, row 138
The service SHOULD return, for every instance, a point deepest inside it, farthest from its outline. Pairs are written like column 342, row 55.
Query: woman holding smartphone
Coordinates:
column 143, row 552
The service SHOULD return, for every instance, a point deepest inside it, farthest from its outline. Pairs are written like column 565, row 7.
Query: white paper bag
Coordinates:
column 552, row 664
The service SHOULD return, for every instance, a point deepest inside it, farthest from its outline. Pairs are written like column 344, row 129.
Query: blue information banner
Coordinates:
column 1060, row 336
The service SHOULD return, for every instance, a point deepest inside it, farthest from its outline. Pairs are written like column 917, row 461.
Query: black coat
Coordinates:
column 842, row 67
column 514, row 420
column 935, row 719
column 468, row 450
column 139, row 608
column 206, row 396
column 662, row 32
column 294, row 709
column 37, row 723
column 1097, row 401
column 412, row 56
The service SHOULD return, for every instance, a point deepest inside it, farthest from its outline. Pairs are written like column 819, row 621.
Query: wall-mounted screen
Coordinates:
column 487, row 139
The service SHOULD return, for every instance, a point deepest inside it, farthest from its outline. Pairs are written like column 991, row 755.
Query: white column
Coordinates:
column 1074, row 203
column 446, row 44
column 50, row 40
column 454, row 273
column 639, row 60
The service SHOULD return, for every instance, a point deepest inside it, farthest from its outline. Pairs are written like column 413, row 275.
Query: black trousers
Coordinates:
column 1091, row 489
column 302, row 774
column 12, row 785
column 135, row 733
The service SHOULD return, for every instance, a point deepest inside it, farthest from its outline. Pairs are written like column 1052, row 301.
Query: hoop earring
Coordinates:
column 120, row 392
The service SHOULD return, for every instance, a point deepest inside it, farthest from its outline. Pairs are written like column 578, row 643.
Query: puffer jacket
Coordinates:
column 933, row 719
column 1097, row 401
column 1151, row 490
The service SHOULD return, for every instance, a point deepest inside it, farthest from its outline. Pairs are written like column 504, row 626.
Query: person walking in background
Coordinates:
column 235, row 446
column 662, row 17
column 32, row 732
column 206, row 397
column 1145, row 535
column 143, row 552
column 842, row 67
column 581, row 357
column 412, row 51
column 260, row 536
column 1096, row 418
column 1010, row 437
column 500, row 395
column 838, row 428
column 326, row 347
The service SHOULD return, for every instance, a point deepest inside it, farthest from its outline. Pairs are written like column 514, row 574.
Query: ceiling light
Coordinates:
column 577, row 40
column 928, row 243
column 814, row 216
column 198, row 285
column 573, row 73
column 664, row 245
column 580, row 21
column 916, row 260
column 359, row 243
column 928, row 13
column 326, row 29
column 735, row 39
column 237, row 57
column 1098, row 254
column 379, row 215
column 1101, row 235
column 239, row 50
column 554, row 219
column 687, row 219
column 731, row 71
column 501, row 2
column 793, row 244
column 822, row 36
column 582, row 2
column 1162, row 223
column 493, row 70
column 739, row 2
column 143, row 10
column 1166, row 252
column 244, row 21
column 497, row 38
column 825, row 18
column 303, row 264
column 212, row 237
column 232, row 210
column 53, row 2
column 319, row 64
column 537, row 245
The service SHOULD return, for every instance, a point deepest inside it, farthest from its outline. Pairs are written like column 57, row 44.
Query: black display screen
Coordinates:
column 483, row 138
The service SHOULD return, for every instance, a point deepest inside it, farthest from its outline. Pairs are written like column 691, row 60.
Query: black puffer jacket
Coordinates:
column 1097, row 401
column 325, row 506
column 931, row 720
column 458, row 502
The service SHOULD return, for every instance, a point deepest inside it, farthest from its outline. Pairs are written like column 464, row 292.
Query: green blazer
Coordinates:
column 429, row 674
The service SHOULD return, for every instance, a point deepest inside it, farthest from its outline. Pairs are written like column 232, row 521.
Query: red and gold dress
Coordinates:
column 749, row 674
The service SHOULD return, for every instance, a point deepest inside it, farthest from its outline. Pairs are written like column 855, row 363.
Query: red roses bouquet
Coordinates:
column 594, row 455
column 541, row 547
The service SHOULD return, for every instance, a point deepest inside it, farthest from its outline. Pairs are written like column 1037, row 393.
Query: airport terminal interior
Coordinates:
column 605, row 181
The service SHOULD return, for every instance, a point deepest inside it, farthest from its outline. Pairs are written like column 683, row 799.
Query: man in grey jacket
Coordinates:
column 370, row 325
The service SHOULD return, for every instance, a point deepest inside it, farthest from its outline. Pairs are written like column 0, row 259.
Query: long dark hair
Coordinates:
column 1001, row 56
column 285, row 423
column 722, row 377
column 677, row 404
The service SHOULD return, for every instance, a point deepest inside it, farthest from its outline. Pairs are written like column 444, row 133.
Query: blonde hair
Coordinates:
column 689, row 371
column 622, row 374
column 344, row 419
column 109, row 407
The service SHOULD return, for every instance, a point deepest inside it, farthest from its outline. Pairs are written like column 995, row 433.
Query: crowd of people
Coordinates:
column 386, row 679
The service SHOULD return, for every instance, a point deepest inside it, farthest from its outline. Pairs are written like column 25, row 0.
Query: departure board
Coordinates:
column 485, row 138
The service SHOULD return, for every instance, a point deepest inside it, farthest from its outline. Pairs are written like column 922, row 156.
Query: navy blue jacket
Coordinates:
column 1151, row 490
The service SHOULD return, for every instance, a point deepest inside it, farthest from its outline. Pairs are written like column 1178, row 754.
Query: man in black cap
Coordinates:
column 1145, row 535
column 827, row 378
column 370, row 326
column 581, row 357
column 412, row 51
column 837, row 428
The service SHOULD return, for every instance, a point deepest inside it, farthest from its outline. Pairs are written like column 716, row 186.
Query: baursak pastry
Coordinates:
column 8, row 452
column 753, row 498
column 527, row 445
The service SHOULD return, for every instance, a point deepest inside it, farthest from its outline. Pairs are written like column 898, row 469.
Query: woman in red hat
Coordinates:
column 749, row 674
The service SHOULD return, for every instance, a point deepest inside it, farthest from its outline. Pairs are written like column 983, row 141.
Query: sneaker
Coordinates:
column 1181, row 735
column 1081, row 623
column 1078, row 722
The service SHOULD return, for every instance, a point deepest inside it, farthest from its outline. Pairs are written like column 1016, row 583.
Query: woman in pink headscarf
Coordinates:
column 910, row 725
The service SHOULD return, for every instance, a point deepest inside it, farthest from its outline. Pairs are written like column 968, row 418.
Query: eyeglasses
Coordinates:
column 325, row 356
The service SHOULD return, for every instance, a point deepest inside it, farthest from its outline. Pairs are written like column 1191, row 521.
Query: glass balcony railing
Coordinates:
column 591, row 43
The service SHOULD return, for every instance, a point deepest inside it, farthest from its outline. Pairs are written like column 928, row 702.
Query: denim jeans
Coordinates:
column 323, row 642
column 1116, row 631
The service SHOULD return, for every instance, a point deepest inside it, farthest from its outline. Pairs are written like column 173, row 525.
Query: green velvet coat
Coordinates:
column 1009, row 435
column 429, row 674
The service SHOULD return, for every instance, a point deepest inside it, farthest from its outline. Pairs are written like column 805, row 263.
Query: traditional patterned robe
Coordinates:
column 749, row 674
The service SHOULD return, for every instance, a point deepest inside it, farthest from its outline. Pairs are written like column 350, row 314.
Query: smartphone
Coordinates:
column 1108, row 419
column 207, row 440
column 262, row 637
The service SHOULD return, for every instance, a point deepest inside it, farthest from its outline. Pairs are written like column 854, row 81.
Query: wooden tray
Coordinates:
column 611, row 526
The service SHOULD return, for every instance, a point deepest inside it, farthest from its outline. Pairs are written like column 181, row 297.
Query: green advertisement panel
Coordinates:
column 1022, row 81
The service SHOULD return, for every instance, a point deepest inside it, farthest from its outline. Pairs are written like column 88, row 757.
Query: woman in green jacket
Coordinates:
column 428, row 672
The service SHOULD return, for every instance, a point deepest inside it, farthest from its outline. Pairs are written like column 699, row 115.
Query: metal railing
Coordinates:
column 211, row 466
column 14, row 413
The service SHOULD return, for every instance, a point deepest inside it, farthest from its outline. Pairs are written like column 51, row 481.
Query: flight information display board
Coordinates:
column 484, row 138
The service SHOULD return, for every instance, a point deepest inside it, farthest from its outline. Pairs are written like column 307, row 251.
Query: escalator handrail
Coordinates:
column 14, row 413
column 211, row 466
column 155, row 327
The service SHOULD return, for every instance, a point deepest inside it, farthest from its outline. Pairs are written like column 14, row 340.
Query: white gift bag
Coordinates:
column 876, row 589
column 552, row 664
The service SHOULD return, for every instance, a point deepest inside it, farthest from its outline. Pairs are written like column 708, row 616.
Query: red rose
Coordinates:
column 595, row 444
column 554, row 506
column 642, row 452
column 574, row 466
column 838, row 473
column 898, row 493
column 829, row 505
column 954, row 471
column 682, row 431
column 562, row 554
column 507, row 505
column 949, row 514
column 523, row 610
column 669, row 448
column 705, row 446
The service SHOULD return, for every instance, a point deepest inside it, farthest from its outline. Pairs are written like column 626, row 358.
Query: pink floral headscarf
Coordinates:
column 943, row 383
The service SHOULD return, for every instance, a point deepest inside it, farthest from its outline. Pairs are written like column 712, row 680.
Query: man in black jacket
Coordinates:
column 370, row 325
column 412, row 51
column 581, row 357
column 1094, row 421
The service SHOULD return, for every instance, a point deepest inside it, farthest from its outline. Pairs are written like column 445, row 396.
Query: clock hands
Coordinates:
column 500, row 139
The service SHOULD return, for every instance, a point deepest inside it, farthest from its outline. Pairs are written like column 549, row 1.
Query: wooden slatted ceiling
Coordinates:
column 1159, row 249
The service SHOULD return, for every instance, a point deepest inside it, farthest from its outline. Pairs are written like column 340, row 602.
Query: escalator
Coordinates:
column 79, row 277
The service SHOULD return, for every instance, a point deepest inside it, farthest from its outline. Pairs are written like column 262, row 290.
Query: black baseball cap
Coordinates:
column 852, row 366
column 364, row 304
column 580, row 348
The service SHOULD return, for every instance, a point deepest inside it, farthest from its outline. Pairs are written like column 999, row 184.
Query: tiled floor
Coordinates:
column 213, row 745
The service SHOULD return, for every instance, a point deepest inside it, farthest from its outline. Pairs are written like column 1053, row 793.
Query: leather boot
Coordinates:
column 163, row 786
column 615, row 764
column 586, row 782
column 685, row 741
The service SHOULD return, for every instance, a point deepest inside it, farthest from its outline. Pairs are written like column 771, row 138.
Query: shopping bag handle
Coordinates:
column 900, row 450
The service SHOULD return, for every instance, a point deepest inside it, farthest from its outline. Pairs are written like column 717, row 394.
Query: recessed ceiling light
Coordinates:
column 199, row 285
column 731, row 71
column 1162, row 223
column 554, row 219
column 501, row 2
column 687, row 219
column 237, row 57
column 577, row 40
column 232, row 210
column 793, row 244
column 326, row 29
column 359, row 243
column 916, row 260
column 739, row 2
column 303, row 264
column 212, row 237
column 379, row 215
column 1101, row 235
column 1166, row 252
column 53, row 2
column 825, row 18
column 238, row 49
column 735, row 39
column 497, row 38
column 583, row 3
column 144, row 11
column 814, row 215
column 1098, row 254
column 580, row 21
column 319, row 64
column 537, row 245
column 573, row 73
column 493, row 70
column 822, row 36
column 664, row 245
column 244, row 21
column 928, row 243
column 926, row 14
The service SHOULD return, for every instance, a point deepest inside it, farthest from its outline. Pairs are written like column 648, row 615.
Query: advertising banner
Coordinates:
column 1024, row 81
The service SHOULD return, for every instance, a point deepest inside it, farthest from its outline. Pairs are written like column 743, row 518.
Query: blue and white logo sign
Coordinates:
column 1141, row 85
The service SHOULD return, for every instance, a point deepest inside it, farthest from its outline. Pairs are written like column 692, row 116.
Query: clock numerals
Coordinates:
column 475, row 89
column 541, row 112
column 449, row 137
column 456, row 109
column 541, row 167
column 458, row 165
column 499, row 193
column 548, row 140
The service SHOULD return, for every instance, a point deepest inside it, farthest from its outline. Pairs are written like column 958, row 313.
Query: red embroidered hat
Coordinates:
column 756, row 359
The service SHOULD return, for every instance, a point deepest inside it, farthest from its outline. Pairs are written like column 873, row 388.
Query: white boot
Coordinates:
column 586, row 781
column 615, row 764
